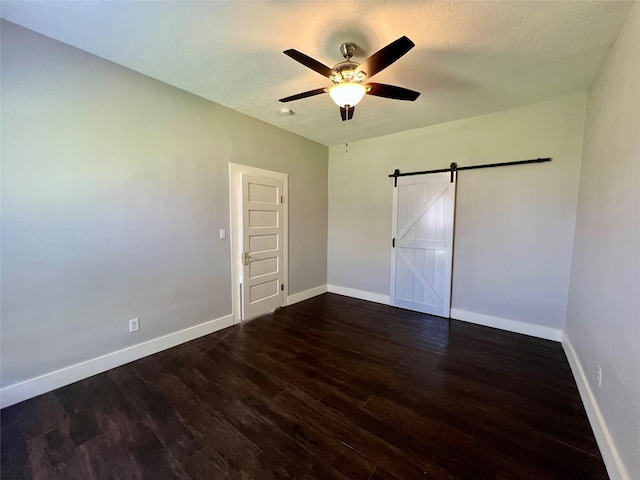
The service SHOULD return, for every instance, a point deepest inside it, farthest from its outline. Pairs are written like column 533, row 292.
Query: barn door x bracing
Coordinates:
column 421, row 259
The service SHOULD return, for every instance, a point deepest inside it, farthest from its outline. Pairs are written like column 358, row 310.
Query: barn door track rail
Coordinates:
column 455, row 168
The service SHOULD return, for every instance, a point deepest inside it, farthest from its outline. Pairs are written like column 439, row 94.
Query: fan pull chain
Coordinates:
column 346, row 135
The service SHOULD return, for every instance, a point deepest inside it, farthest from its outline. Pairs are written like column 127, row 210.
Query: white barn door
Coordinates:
column 422, row 230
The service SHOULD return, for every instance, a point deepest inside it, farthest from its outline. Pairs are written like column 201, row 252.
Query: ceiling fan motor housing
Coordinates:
column 346, row 71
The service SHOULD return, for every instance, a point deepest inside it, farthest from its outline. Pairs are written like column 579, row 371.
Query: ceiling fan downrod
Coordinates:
column 348, row 50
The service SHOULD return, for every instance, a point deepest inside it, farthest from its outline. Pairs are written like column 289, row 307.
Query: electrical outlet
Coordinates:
column 223, row 233
column 599, row 375
column 134, row 325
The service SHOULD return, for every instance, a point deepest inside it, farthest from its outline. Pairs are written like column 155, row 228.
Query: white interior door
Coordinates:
column 262, row 241
column 421, row 261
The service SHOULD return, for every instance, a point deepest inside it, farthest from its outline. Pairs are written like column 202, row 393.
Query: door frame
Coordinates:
column 236, row 171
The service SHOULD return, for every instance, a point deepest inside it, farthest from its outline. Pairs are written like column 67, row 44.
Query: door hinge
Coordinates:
column 282, row 199
column 282, row 286
column 393, row 243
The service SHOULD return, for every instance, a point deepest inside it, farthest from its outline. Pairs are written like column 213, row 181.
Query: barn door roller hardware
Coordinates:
column 455, row 168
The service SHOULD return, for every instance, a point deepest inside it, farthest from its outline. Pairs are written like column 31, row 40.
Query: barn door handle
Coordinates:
column 246, row 258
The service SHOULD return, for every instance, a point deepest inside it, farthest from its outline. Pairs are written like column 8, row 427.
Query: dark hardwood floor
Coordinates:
column 332, row 387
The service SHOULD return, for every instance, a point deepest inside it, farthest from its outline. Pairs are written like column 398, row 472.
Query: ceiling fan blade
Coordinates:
column 298, row 96
column 391, row 91
column 385, row 56
column 347, row 114
column 309, row 62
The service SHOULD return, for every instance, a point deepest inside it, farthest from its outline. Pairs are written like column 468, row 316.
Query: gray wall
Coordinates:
column 114, row 187
column 603, row 316
column 514, row 225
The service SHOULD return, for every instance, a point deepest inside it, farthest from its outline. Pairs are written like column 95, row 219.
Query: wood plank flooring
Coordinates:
column 332, row 387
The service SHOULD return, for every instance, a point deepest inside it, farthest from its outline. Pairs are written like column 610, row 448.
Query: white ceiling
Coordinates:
column 470, row 58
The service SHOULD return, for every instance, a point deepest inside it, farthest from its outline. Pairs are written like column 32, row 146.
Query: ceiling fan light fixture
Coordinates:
column 349, row 77
column 347, row 94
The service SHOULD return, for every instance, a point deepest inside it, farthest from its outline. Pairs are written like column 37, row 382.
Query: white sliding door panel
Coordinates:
column 422, row 230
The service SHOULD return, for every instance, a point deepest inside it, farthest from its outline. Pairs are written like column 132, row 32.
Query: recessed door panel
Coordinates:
column 263, row 193
column 262, row 243
column 261, row 292
column 265, row 266
column 263, row 218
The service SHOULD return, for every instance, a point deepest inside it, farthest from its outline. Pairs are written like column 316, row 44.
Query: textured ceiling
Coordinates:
column 470, row 58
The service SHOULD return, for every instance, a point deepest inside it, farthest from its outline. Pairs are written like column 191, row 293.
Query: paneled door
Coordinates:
column 422, row 243
column 262, row 232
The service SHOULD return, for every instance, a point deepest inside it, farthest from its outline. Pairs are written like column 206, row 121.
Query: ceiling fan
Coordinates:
column 348, row 77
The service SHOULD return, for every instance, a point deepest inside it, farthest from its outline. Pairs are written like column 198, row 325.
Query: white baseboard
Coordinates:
column 50, row 381
column 307, row 294
column 539, row 331
column 361, row 294
column 612, row 460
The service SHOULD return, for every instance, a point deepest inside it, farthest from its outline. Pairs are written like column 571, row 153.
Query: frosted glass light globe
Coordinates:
column 347, row 93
